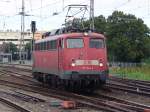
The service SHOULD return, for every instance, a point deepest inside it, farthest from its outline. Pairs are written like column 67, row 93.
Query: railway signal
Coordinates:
column 33, row 26
column 33, row 30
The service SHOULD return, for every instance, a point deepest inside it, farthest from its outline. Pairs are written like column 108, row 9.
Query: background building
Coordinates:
column 14, row 37
column 7, row 37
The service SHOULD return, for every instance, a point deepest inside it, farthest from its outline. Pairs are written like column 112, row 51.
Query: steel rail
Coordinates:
column 127, row 89
column 98, row 95
column 15, row 106
column 88, row 101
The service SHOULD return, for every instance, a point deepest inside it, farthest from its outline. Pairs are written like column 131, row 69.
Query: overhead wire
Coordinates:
column 85, row 1
column 48, row 5
column 58, row 13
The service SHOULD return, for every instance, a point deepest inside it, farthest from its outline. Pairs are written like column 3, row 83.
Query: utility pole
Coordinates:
column 22, row 13
column 92, row 14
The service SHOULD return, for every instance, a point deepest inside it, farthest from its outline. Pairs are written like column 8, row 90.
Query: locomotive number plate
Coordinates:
column 87, row 62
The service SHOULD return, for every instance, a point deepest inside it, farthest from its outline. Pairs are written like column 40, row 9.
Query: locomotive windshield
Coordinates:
column 75, row 43
column 96, row 43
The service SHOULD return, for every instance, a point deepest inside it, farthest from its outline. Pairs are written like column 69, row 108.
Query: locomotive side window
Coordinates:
column 35, row 47
column 38, row 46
column 52, row 45
column 45, row 48
column 75, row 43
column 96, row 43
column 42, row 46
column 48, row 45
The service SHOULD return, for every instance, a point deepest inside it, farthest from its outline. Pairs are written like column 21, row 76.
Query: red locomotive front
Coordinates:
column 75, row 59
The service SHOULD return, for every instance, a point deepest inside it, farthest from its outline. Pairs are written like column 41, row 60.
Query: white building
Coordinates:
column 14, row 37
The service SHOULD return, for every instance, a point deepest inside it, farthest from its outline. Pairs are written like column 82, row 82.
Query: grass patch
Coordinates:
column 140, row 73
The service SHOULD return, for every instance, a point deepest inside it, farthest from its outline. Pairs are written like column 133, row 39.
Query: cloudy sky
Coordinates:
column 42, row 11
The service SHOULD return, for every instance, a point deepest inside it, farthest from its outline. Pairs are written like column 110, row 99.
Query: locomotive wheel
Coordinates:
column 65, row 83
column 69, row 85
column 34, row 75
column 39, row 77
column 54, row 82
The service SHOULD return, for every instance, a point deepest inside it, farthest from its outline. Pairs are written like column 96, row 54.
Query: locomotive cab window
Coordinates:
column 96, row 43
column 75, row 43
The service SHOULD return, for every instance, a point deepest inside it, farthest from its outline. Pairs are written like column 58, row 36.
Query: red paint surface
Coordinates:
column 49, row 59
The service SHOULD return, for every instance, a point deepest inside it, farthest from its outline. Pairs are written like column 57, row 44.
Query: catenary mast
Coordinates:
column 22, row 13
column 92, row 14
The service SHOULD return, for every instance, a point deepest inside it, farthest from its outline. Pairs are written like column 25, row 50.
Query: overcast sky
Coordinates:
column 42, row 11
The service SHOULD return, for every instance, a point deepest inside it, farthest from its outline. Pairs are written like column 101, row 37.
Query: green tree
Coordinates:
column 10, row 48
column 127, row 37
column 100, row 24
column 28, row 49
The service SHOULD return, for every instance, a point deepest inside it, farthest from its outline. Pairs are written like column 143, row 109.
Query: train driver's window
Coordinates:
column 75, row 43
column 96, row 43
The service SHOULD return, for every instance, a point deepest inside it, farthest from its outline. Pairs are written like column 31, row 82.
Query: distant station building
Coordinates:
column 5, row 57
column 14, row 37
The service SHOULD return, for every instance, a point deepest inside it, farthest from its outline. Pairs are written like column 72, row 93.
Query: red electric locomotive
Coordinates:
column 72, row 59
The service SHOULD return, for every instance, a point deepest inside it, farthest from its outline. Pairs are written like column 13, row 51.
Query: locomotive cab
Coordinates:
column 84, row 58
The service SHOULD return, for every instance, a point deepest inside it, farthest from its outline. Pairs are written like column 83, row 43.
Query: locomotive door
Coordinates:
column 60, row 56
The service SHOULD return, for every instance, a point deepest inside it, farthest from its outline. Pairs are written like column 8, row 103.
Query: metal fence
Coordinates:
column 124, row 64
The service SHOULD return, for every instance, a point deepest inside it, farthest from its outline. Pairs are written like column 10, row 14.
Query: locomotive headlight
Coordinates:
column 101, row 64
column 85, row 34
column 73, row 64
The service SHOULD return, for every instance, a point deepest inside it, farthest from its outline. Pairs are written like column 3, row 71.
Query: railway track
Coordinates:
column 98, row 102
column 120, row 100
column 13, row 105
column 26, row 68
column 130, row 89
column 130, row 85
column 115, row 83
column 141, row 83
column 93, row 102
column 22, row 96
column 50, row 93
column 105, row 103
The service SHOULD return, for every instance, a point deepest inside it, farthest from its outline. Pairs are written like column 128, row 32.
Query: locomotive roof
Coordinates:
column 69, row 35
